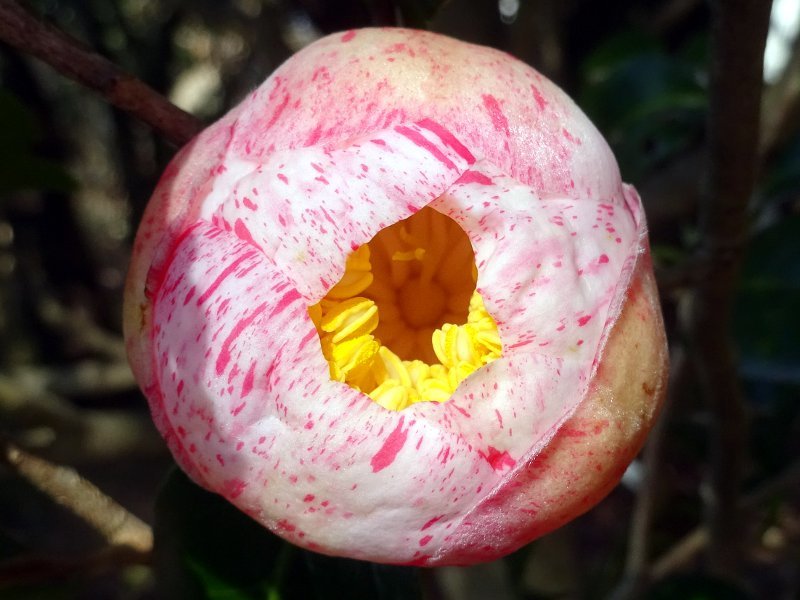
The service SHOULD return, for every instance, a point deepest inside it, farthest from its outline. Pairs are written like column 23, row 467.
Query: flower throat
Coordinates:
column 405, row 324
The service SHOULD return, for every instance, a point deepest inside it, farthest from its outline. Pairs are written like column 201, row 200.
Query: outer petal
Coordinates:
column 591, row 450
column 252, row 222
column 570, row 284
column 245, row 394
column 550, row 272
column 260, row 420
column 370, row 79
column 246, row 389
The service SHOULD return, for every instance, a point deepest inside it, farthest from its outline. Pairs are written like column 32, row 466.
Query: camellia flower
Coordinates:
column 397, row 305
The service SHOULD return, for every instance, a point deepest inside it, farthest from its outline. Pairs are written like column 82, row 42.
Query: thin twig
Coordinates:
column 697, row 540
column 81, row 378
column 739, row 29
column 20, row 29
column 78, row 327
column 41, row 418
column 66, row 487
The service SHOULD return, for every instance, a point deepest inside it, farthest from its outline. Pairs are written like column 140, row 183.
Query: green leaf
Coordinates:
column 641, row 85
column 650, row 105
column 206, row 548
column 615, row 51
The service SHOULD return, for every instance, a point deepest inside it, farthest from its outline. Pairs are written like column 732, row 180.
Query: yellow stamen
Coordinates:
column 351, row 358
column 394, row 395
column 455, row 344
column 405, row 324
column 350, row 318
column 394, row 367
column 357, row 276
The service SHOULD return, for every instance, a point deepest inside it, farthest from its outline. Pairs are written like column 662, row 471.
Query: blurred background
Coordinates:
column 76, row 173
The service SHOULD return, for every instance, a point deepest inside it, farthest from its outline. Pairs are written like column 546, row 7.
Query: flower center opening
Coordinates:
column 405, row 324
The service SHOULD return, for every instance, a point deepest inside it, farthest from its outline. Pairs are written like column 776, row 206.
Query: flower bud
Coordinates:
column 398, row 305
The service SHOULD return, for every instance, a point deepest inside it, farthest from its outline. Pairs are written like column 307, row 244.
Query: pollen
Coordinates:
column 405, row 323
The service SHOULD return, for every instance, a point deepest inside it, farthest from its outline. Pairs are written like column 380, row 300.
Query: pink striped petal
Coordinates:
column 307, row 209
column 253, row 222
column 244, row 383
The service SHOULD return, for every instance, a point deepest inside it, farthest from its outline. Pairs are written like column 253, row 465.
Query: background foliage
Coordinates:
column 75, row 175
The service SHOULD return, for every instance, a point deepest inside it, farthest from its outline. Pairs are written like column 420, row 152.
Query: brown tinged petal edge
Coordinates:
column 587, row 457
